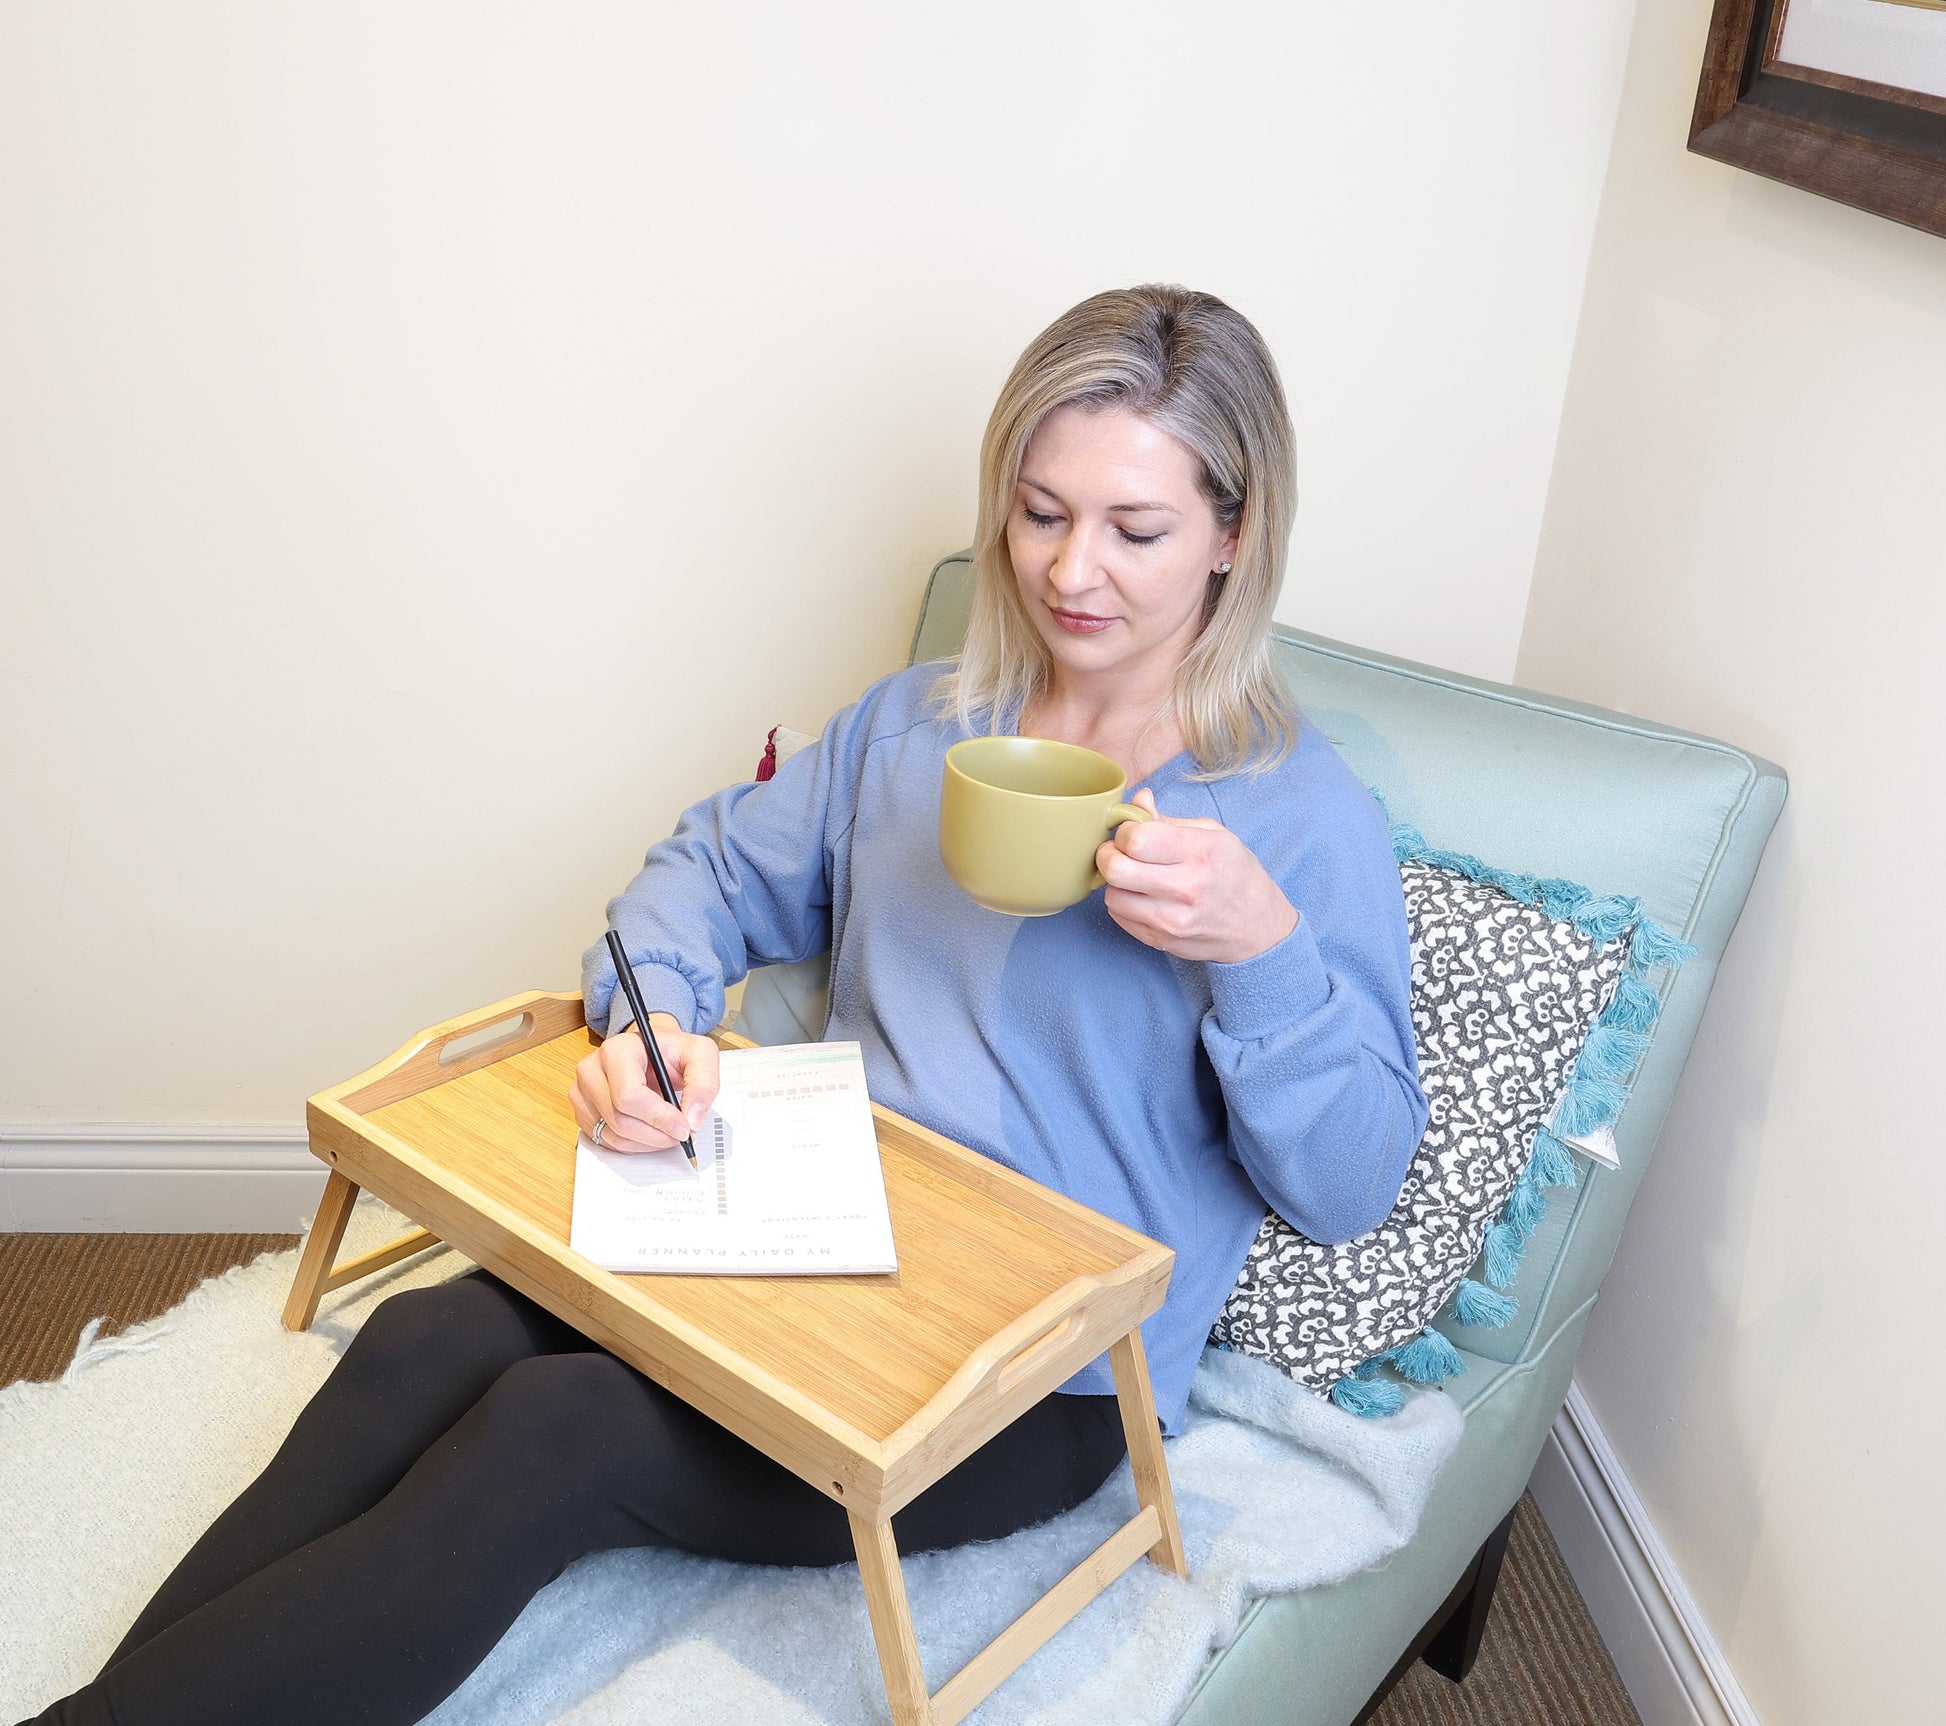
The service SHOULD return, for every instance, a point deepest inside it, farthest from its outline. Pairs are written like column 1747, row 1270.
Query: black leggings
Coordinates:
column 467, row 1449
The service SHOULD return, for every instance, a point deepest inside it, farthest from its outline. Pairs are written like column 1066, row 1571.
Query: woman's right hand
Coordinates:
column 613, row 1085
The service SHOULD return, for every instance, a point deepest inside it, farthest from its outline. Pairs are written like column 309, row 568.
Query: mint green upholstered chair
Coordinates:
column 1529, row 783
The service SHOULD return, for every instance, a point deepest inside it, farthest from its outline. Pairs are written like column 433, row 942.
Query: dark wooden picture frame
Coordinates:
column 1872, row 145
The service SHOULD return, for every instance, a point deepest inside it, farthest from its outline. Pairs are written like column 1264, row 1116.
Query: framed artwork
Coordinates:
column 1842, row 97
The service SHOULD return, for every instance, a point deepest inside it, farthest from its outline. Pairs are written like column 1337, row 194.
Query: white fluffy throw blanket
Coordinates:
column 107, row 1476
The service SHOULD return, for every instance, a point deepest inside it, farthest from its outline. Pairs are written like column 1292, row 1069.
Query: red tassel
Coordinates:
column 767, row 767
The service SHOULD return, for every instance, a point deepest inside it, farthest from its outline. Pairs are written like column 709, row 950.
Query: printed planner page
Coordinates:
column 789, row 1180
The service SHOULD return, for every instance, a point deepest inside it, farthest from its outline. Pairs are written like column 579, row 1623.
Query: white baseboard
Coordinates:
column 59, row 1177
column 1669, row 1661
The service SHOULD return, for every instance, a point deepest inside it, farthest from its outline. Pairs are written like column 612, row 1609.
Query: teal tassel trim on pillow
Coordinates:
column 1559, row 899
column 1477, row 1305
column 1369, row 1399
column 1553, row 1162
column 1527, row 1204
column 1606, row 919
column 1502, row 1252
column 1611, row 1053
column 1652, row 947
column 1590, row 1104
column 1636, row 1006
column 1429, row 1358
column 1596, row 1092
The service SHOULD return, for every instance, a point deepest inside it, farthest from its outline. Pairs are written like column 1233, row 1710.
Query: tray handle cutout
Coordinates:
column 464, row 1045
column 996, row 1369
column 508, row 1030
column 1050, row 1341
column 1053, row 1339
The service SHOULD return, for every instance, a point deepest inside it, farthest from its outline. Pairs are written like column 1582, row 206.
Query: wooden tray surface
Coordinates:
column 868, row 1387
column 872, row 1349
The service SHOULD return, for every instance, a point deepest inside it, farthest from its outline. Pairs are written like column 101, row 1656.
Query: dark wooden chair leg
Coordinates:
column 1450, row 1639
column 1456, row 1644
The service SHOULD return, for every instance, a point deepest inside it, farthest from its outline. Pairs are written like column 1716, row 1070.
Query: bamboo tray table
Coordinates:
column 868, row 1387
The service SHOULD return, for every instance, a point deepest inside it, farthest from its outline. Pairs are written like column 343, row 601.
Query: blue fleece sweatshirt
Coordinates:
column 1176, row 1096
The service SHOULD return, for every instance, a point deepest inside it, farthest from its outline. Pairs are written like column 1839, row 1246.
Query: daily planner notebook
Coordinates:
column 789, row 1185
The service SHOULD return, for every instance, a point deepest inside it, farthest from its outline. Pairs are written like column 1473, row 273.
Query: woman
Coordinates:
column 1225, row 1024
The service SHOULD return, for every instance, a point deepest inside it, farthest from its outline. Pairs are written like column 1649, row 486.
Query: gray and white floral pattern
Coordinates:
column 1503, row 997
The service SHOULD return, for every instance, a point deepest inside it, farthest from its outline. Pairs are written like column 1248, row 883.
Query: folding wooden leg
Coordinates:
column 1151, row 1532
column 317, row 1276
column 320, row 1249
column 898, row 1648
column 965, row 1690
column 1145, row 1456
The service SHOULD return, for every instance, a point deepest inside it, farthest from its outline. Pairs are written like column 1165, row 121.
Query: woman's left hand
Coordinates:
column 1192, row 888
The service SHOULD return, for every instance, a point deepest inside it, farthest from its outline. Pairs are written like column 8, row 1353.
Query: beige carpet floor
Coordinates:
column 1541, row 1664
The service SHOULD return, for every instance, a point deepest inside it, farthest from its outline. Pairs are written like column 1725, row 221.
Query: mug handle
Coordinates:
column 1116, row 816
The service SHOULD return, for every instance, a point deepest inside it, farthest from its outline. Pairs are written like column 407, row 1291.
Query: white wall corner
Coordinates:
column 88, row 1177
column 1669, row 1661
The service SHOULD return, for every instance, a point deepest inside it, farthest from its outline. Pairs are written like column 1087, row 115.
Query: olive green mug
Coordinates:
column 1020, row 819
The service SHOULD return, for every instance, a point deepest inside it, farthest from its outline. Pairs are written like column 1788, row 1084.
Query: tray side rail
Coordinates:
column 1016, row 1367
column 433, row 1056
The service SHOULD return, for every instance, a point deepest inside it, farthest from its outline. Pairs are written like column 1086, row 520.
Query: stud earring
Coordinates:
column 1222, row 569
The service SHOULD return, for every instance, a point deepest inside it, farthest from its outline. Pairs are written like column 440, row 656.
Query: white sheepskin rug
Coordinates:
column 108, row 1475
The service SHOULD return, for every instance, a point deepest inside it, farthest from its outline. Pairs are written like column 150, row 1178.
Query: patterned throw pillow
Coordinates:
column 1530, row 1008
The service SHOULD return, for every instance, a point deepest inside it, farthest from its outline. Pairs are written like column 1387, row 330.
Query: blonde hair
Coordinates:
column 1198, row 370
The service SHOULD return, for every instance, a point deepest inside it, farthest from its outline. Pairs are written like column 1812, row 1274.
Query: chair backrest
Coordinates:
column 1546, row 787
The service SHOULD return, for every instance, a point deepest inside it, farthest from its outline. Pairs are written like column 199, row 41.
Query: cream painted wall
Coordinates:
column 437, row 441
column 1745, row 535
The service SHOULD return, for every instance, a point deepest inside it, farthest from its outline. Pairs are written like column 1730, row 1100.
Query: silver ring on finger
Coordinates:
column 600, row 1127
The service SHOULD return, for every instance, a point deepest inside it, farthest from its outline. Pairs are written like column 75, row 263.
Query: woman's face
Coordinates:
column 1113, row 543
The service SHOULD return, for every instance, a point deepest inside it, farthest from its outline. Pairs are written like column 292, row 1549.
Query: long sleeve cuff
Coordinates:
column 663, row 991
column 1255, row 998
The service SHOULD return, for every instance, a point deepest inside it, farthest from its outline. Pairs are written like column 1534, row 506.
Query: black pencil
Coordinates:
column 625, row 975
